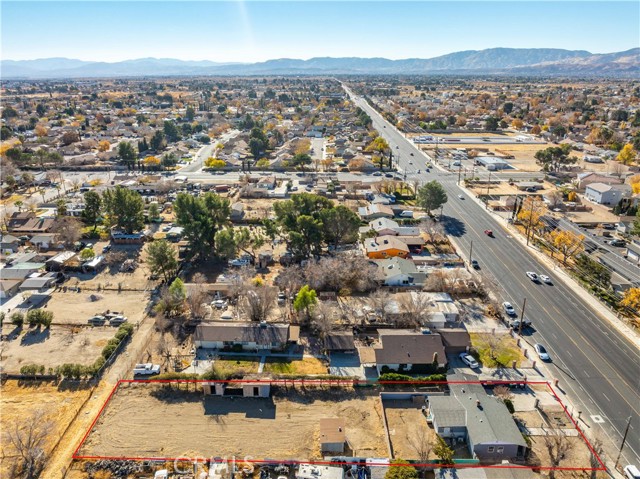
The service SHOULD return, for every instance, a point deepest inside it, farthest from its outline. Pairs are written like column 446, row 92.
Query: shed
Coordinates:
column 250, row 388
column 332, row 435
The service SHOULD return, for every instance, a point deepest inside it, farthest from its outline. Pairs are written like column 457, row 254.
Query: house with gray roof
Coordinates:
column 403, row 350
column 399, row 272
column 250, row 336
column 470, row 415
column 606, row 194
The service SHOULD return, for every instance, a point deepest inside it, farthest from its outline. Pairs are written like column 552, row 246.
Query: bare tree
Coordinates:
column 322, row 319
column 555, row 198
column 617, row 169
column 378, row 301
column 558, row 446
column 68, row 229
column 422, row 444
column 434, row 229
column 28, row 438
column 503, row 393
column 196, row 296
column 597, row 452
column 257, row 302
column 415, row 309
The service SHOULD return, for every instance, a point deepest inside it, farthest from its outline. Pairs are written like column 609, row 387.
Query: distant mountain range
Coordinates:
column 501, row 61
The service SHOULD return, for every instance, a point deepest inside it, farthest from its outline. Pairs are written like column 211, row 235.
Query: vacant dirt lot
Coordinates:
column 407, row 428
column 18, row 404
column 53, row 347
column 153, row 420
column 76, row 308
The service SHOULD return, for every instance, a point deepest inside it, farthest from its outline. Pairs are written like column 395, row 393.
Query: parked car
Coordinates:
column 631, row 472
column 545, row 279
column 97, row 320
column 516, row 325
column 377, row 173
column 238, row 262
column 469, row 360
column 406, row 214
column 106, row 249
column 508, row 309
column 117, row 320
column 460, row 197
column 282, row 298
column 219, row 304
column 475, row 264
column 541, row 352
column 146, row 369
column 532, row 276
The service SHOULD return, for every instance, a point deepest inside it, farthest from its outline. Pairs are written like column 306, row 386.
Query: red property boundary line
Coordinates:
column 338, row 382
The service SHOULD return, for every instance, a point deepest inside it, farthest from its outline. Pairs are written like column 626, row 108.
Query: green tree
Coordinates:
column 87, row 254
column 249, row 241
column 17, row 319
column 444, row 452
column 256, row 147
column 124, row 209
column 162, row 259
column 635, row 229
column 401, row 469
column 127, row 153
column 431, row 196
column 226, row 247
column 61, row 208
column 300, row 160
column 340, row 225
column 190, row 114
column 157, row 142
column 172, row 299
column 92, row 208
column 554, row 157
column 491, row 124
column 201, row 218
column 39, row 317
column 153, row 212
column 305, row 300
column 41, row 110
column 171, row 132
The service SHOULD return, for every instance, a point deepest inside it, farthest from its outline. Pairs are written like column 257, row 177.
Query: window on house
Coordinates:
column 500, row 450
column 491, row 449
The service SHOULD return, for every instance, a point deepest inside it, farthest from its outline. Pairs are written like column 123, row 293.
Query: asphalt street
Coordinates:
column 598, row 370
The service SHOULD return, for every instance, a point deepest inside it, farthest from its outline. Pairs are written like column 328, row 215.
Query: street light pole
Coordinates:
column 624, row 439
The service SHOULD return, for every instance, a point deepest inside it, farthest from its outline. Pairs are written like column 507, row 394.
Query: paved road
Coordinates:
column 598, row 370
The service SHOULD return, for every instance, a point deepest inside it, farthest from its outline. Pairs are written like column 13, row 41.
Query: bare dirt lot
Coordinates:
column 151, row 420
column 19, row 402
column 76, row 308
column 406, row 426
column 53, row 347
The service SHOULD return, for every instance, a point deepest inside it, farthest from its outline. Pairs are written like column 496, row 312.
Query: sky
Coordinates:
column 250, row 31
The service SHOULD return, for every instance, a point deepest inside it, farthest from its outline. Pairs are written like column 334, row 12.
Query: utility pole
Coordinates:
column 459, row 171
column 471, row 252
column 624, row 439
column 524, row 304
column 530, row 222
column 488, row 185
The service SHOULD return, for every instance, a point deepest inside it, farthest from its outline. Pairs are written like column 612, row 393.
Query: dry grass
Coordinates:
column 505, row 349
column 306, row 366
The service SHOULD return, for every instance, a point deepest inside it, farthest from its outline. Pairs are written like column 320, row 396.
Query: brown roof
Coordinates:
column 455, row 338
column 409, row 347
column 386, row 242
column 260, row 333
column 332, row 430
column 33, row 225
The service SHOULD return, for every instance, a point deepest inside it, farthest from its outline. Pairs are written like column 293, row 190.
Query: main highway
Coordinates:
column 598, row 368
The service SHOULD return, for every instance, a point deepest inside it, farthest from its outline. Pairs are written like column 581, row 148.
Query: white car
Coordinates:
column 239, row 262
column 545, row 279
column 508, row 308
column 461, row 197
column 469, row 360
column 146, row 369
column 219, row 304
column 532, row 276
column 541, row 352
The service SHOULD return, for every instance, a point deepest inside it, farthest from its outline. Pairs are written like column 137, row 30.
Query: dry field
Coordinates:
column 53, row 347
column 18, row 403
column 77, row 308
column 406, row 423
column 151, row 420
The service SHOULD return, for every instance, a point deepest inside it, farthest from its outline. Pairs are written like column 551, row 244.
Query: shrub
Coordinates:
column 17, row 319
column 39, row 317
column 108, row 350
column 32, row 369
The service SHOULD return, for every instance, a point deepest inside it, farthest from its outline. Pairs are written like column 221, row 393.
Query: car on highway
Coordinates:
column 517, row 324
column 541, row 351
column 388, row 175
column 475, row 264
column 508, row 308
column 411, row 154
column 533, row 276
column 545, row 279
column 397, row 147
column 460, row 197
column 411, row 162
column 617, row 242
column 469, row 360
column 488, row 233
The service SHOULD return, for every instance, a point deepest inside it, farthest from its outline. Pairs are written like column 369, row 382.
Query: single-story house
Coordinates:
column 250, row 336
column 386, row 226
column 9, row 244
column 38, row 283
column 585, row 179
column 59, row 261
column 404, row 350
column 43, row 241
column 384, row 247
column 483, row 421
column 633, row 251
column 9, row 287
column 606, row 194
column 237, row 211
column 372, row 212
column 493, row 163
column 332, row 435
column 455, row 340
column 399, row 272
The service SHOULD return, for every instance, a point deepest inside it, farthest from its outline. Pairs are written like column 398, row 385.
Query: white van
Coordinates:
column 631, row 472
column 406, row 214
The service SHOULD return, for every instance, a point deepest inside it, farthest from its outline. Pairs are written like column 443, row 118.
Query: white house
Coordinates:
column 399, row 272
column 606, row 194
